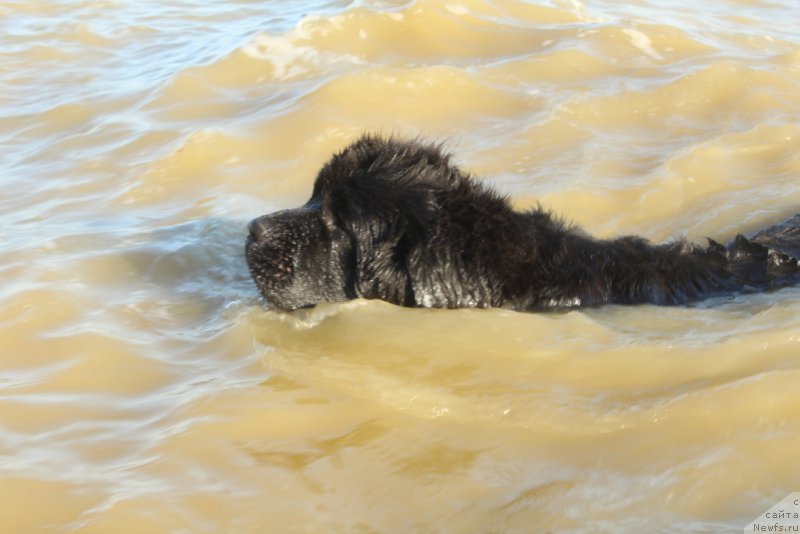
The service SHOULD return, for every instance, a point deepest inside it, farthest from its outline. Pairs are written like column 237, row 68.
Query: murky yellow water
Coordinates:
column 143, row 388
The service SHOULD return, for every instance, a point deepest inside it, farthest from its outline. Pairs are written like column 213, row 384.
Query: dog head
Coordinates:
column 363, row 233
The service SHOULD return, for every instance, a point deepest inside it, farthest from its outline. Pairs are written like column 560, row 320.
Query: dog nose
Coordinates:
column 255, row 228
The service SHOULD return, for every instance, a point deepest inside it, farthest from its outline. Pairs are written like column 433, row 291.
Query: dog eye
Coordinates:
column 327, row 218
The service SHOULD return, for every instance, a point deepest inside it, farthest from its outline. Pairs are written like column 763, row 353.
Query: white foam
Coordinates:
column 288, row 58
column 579, row 10
column 642, row 42
column 457, row 9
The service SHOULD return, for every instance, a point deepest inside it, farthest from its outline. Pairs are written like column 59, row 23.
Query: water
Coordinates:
column 144, row 389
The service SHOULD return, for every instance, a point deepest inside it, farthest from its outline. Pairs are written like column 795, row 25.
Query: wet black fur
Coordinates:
column 397, row 221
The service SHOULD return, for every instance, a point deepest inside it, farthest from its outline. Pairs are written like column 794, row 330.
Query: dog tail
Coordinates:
column 767, row 260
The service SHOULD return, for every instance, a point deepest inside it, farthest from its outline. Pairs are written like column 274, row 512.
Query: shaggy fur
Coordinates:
column 397, row 221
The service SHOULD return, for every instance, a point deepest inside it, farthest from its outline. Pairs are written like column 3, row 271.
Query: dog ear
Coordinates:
column 383, row 206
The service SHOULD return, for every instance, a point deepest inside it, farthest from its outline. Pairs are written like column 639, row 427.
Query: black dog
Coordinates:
column 396, row 221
